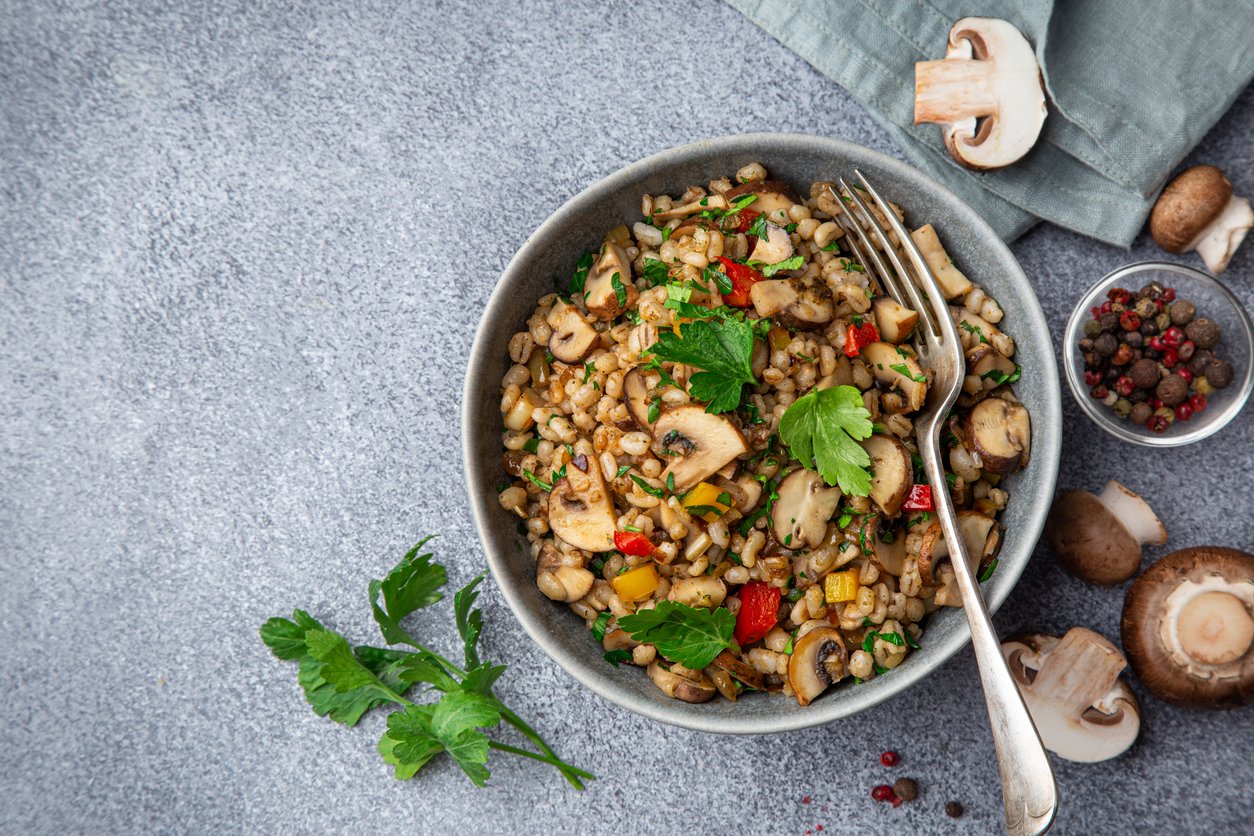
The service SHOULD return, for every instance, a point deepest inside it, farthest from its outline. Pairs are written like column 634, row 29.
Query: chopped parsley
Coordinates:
column 620, row 291
column 904, row 370
column 618, row 656
column 580, row 277
column 647, row 488
column 655, row 272
column 599, row 626
column 537, row 481
column 793, row 263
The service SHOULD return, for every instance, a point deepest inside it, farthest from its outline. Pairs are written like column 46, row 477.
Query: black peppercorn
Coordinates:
column 1133, row 338
column 954, row 810
column 1138, row 395
column 1085, row 344
column 1172, row 389
column 1182, row 312
column 1148, row 328
column 1105, row 345
column 1219, row 374
column 1203, row 332
column 1110, row 321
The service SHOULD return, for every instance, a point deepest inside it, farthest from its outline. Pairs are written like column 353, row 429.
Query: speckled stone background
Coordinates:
column 243, row 252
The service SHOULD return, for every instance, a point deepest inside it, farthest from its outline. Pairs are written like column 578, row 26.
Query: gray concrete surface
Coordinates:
column 243, row 252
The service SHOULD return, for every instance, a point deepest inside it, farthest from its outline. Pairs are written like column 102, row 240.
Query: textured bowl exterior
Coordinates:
column 579, row 225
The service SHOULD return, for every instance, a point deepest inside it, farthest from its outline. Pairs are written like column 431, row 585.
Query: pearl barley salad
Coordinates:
column 710, row 441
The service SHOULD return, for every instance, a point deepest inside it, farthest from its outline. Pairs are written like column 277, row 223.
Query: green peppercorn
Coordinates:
column 1092, row 328
column 1123, row 407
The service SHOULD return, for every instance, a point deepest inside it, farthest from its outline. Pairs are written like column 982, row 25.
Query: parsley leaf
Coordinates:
column 793, row 263
column 904, row 371
column 413, row 584
column 617, row 656
column 684, row 634
column 601, row 624
column 420, row 732
column 469, row 622
column 620, row 291
column 581, row 273
column 721, row 349
column 758, row 228
column 721, row 280
column 655, row 272
column 823, row 428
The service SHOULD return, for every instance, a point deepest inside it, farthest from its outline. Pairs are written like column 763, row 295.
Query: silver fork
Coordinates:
column 1029, row 793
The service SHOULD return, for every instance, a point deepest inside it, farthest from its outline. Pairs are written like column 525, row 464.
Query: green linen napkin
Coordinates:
column 1133, row 85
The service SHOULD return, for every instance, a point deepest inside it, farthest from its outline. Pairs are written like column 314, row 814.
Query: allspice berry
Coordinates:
column 1141, row 413
column 1105, row 345
column 1199, row 361
column 1219, row 374
column 1172, row 390
column 906, row 789
column 1203, row 332
column 1182, row 312
column 1144, row 374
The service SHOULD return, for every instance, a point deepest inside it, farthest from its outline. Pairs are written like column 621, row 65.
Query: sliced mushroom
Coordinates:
column 897, row 367
column 693, row 207
column 894, row 321
column 1099, row 538
column 701, row 591
column 800, row 515
column 565, row 583
column 679, row 687
column 804, row 304
column 699, row 443
column 987, row 94
column 888, row 545
column 1083, row 711
column 990, row 365
column 608, row 290
column 636, row 393
column 581, row 511
column 818, row 659
column 739, row 669
column 951, row 280
column 519, row 417
column 980, row 534
column 1198, row 211
column 999, row 432
column 1188, row 627
column 774, row 248
column 573, row 338
column 892, row 469
column 774, row 196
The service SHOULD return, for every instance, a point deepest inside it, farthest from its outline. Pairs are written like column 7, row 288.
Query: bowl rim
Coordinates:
column 879, row 689
column 1126, row 430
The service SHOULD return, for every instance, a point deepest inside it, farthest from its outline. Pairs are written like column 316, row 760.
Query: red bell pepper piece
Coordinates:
column 633, row 543
column 746, row 218
column 859, row 337
column 919, row 499
column 743, row 278
column 759, row 607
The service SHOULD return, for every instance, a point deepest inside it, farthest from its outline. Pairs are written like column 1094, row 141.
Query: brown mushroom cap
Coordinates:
column 1089, row 541
column 1188, row 205
column 1188, row 627
column 818, row 659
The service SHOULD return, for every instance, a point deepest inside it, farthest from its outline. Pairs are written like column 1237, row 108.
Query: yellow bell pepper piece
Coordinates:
column 841, row 586
column 707, row 495
column 636, row 584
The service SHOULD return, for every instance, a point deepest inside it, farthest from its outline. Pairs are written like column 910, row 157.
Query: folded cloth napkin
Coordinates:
column 1132, row 88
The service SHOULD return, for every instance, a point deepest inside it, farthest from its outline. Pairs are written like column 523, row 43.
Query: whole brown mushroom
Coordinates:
column 1099, row 538
column 1198, row 211
column 1188, row 627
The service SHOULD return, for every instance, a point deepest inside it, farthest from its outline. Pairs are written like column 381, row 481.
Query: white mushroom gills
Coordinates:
column 1081, row 709
column 1134, row 513
column 1208, row 624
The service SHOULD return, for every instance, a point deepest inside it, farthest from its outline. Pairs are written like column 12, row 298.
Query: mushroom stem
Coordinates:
column 1135, row 514
column 1080, row 671
column 954, row 88
column 1219, row 240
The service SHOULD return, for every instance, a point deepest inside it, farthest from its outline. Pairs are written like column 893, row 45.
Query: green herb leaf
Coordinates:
column 655, row 272
column 912, row 641
column 988, row 572
column 758, row 228
column 740, row 203
column 793, row 263
column 537, row 481
column 617, row 656
column 722, row 350
column 418, row 733
column 622, row 469
column 647, row 488
column 684, row 634
column 469, row 622
column 833, row 247
column 412, row 584
column 823, row 428
column 620, row 291
column 602, row 622
column 904, row 370
column 582, row 267
column 721, row 280
column 655, row 410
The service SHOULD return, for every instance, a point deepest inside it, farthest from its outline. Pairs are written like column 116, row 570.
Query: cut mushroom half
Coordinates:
column 999, row 432
column 1083, row 711
column 991, row 367
column 953, row 283
column 1099, row 538
column 987, row 94
column 892, row 469
column 818, row 659
column 680, row 687
column 636, row 393
column 697, row 443
column 775, row 247
column 980, row 534
column 1188, row 627
column 805, row 505
column 608, row 290
column 895, row 322
column 1198, row 211
column 774, row 198
column 573, row 338
column 581, row 511
column 896, row 367
column 737, row 669
column 803, row 304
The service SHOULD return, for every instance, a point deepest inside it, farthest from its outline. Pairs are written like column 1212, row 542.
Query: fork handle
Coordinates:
column 1029, row 793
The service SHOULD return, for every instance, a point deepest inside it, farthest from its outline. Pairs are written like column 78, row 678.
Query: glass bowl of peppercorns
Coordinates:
column 1160, row 354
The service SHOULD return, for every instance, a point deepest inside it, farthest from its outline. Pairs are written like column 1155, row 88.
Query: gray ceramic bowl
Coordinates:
column 578, row 226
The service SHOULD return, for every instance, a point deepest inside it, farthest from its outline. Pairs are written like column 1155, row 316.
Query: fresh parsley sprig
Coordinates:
column 691, row 636
column 344, row 682
column 722, row 349
column 823, row 428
